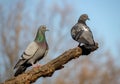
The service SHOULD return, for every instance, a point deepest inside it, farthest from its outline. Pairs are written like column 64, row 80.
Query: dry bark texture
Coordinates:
column 48, row 69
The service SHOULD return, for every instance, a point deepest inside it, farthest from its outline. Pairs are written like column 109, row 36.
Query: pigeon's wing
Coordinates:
column 76, row 31
column 30, row 50
column 41, row 52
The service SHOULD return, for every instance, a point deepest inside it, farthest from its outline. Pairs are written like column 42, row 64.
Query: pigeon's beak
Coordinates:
column 47, row 29
column 88, row 18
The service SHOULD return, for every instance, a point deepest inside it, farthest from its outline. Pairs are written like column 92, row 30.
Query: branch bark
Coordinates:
column 48, row 69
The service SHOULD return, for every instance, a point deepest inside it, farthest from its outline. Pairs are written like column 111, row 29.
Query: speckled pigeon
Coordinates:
column 81, row 32
column 35, row 51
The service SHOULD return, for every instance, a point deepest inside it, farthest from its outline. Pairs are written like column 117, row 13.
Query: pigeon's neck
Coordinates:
column 81, row 21
column 40, row 37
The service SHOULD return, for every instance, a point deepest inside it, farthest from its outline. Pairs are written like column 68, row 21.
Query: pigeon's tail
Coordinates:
column 20, row 70
column 21, row 66
column 20, row 62
column 89, row 46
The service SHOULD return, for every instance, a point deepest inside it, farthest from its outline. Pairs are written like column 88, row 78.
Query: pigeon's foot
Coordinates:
column 87, row 50
column 36, row 65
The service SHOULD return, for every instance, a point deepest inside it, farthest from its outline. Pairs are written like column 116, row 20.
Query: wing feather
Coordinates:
column 30, row 50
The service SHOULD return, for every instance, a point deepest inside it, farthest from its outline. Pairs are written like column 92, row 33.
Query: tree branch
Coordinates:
column 48, row 69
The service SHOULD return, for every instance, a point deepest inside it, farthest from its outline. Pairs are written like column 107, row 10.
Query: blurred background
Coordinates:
column 20, row 19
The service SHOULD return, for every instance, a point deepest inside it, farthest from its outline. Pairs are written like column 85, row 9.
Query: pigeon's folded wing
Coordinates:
column 30, row 50
column 74, row 31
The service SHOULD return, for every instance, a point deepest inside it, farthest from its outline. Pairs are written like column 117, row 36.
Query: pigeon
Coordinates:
column 35, row 51
column 81, row 33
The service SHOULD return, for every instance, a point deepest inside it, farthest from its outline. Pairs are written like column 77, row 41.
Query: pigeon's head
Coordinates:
column 42, row 28
column 40, row 36
column 83, row 17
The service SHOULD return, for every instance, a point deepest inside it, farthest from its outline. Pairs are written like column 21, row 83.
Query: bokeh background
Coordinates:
column 20, row 19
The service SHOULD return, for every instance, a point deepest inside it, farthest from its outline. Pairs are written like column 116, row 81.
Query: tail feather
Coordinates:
column 20, row 62
column 20, row 70
column 20, row 66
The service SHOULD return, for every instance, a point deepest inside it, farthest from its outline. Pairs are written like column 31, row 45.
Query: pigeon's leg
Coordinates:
column 79, row 44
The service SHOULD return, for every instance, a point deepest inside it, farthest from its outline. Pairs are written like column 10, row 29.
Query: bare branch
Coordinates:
column 48, row 69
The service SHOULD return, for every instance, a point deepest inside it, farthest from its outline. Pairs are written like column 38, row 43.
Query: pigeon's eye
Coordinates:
column 85, row 16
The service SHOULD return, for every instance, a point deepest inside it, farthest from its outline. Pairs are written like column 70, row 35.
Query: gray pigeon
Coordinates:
column 35, row 51
column 82, row 34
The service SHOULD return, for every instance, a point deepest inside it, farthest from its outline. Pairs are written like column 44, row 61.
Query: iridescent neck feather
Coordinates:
column 40, row 37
